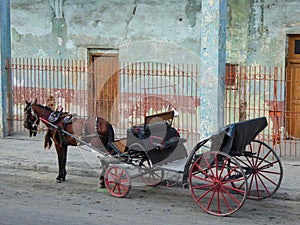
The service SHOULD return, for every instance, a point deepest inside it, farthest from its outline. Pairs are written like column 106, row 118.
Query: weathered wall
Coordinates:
column 238, row 14
column 140, row 30
column 47, row 29
column 158, row 30
column 257, row 30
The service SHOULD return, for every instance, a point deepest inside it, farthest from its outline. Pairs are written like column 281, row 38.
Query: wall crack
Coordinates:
column 130, row 19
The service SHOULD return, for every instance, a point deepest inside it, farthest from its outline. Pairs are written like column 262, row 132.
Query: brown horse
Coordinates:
column 66, row 130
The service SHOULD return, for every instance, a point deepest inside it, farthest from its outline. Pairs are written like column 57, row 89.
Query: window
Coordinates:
column 297, row 46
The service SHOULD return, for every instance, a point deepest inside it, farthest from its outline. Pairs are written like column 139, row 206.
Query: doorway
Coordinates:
column 293, row 87
column 103, row 85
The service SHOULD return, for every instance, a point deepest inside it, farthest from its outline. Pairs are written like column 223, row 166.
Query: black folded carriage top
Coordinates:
column 233, row 138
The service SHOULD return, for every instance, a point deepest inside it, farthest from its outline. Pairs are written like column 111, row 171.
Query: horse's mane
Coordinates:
column 45, row 107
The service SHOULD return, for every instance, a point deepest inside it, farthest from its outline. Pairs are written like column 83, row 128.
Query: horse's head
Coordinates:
column 31, row 120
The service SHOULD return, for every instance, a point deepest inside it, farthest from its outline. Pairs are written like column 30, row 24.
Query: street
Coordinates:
column 33, row 197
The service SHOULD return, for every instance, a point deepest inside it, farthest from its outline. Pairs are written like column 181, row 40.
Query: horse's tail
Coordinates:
column 47, row 140
column 110, row 135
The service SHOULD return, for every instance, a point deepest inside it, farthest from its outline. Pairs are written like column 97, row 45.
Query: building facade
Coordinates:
column 205, row 32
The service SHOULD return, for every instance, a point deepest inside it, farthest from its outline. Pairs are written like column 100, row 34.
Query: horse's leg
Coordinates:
column 104, row 166
column 65, row 151
column 61, row 151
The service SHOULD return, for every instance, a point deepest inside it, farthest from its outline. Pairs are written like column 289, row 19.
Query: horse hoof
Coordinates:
column 60, row 179
column 102, row 182
column 101, row 185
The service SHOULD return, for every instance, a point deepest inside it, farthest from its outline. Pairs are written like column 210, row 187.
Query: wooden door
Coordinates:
column 293, row 88
column 104, row 86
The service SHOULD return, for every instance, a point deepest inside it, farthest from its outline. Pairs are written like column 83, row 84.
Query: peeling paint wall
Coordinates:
column 257, row 30
column 238, row 14
column 66, row 29
column 157, row 30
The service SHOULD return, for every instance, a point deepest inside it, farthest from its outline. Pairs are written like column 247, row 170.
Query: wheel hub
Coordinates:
column 117, row 181
column 252, row 170
column 217, row 184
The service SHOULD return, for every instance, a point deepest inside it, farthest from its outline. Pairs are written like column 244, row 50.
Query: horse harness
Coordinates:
column 55, row 116
column 58, row 120
column 56, row 123
column 32, row 124
column 84, row 128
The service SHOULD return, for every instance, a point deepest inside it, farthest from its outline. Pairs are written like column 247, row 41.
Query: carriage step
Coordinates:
column 175, row 166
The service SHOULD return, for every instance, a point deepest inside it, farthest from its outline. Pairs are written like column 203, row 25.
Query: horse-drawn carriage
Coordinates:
column 222, row 171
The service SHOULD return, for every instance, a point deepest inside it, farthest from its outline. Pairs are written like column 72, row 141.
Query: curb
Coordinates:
column 49, row 169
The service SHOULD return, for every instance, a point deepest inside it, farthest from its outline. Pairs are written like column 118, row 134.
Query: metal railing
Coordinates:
column 256, row 91
column 145, row 88
column 48, row 80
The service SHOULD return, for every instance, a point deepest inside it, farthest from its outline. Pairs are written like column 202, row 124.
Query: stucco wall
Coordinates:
column 257, row 30
column 156, row 30
column 237, row 30
column 41, row 29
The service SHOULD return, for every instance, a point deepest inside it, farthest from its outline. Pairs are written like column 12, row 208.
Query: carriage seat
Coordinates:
column 161, row 130
column 172, row 142
column 235, row 137
column 155, row 135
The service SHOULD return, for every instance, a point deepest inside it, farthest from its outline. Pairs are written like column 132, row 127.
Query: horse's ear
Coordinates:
column 35, row 101
column 27, row 102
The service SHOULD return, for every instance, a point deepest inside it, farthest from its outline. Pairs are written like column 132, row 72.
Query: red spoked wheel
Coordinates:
column 117, row 181
column 150, row 175
column 210, row 179
column 263, row 170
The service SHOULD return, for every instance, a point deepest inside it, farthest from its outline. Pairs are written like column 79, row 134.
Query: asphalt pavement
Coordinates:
column 23, row 152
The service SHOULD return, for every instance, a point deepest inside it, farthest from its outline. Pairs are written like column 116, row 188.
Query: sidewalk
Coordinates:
column 22, row 152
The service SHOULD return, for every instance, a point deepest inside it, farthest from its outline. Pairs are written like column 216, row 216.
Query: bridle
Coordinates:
column 31, row 120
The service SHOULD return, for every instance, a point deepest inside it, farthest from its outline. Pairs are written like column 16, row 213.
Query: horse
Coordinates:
column 66, row 129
